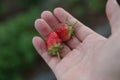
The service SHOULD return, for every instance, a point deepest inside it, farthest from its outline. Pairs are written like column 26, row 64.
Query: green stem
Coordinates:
column 74, row 24
column 58, row 55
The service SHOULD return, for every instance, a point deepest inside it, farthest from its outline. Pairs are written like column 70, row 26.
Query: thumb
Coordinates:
column 113, row 14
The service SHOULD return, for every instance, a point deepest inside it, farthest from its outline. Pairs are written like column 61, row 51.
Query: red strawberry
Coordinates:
column 65, row 30
column 54, row 44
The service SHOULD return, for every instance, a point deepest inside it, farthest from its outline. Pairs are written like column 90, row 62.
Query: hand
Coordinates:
column 88, row 55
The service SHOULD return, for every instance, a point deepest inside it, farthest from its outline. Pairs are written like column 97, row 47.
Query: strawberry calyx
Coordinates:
column 54, row 49
column 69, row 23
column 70, row 27
column 70, row 31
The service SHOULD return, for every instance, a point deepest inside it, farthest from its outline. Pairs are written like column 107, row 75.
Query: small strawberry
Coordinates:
column 65, row 30
column 54, row 44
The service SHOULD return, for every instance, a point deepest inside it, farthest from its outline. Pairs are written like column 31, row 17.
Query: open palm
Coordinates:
column 87, row 53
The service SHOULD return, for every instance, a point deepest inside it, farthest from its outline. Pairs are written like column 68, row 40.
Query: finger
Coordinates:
column 65, row 50
column 42, row 27
column 113, row 14
column 53, row 22
column 81, row 30
column 73, row 42
column 41, row 49
column 50, row 19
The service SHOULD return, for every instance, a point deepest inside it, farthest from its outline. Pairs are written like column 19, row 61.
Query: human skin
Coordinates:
column 88, row 55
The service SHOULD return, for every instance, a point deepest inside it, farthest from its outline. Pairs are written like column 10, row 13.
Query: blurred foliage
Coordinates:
column 96, row 6
column 6, row 5
column 27, row 3
column 83, row 8
column 89, row 12
column 16, row 49
column 3, row 8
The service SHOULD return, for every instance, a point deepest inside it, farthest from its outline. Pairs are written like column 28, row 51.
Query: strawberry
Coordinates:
column 54, row 44
column 65, row 30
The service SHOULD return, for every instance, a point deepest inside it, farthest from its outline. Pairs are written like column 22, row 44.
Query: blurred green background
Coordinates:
column 18, row 58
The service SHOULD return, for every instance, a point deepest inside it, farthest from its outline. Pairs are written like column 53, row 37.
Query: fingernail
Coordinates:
column 118, row 1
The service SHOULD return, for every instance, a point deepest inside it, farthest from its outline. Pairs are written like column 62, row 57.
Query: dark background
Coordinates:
column 18, row 58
